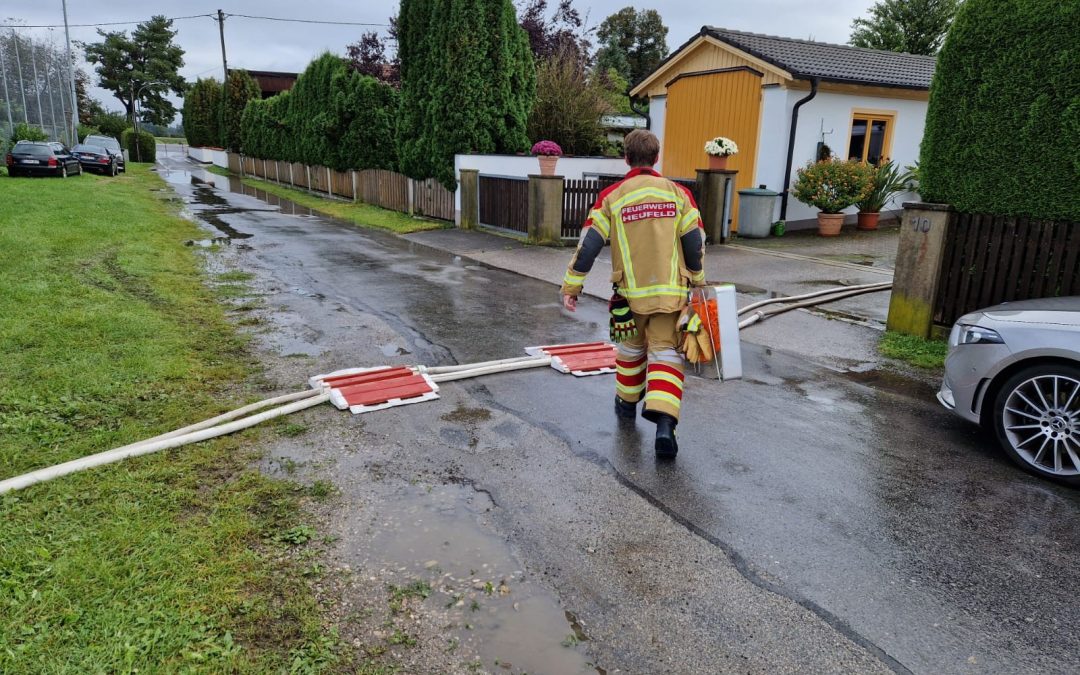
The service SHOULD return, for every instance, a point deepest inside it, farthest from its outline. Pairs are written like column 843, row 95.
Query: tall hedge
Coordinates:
column 1003, row 126
column 202, row 122
column 467, row 83
column 333, row 116
column 239, row 89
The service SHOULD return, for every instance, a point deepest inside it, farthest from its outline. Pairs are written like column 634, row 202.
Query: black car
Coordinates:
column 110, row 144
column 30, row 158
column 95, row 158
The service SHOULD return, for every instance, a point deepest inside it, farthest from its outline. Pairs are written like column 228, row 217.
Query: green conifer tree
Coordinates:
column 239, row 89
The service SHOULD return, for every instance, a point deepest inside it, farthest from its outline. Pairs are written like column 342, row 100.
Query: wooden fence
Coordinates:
column 504, row 203
column 386, row 189
column 992, row 259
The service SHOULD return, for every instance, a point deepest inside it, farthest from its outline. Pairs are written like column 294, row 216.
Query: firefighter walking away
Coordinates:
column 657, row 249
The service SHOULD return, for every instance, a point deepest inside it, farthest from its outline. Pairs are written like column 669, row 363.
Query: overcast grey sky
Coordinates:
column 270, row 45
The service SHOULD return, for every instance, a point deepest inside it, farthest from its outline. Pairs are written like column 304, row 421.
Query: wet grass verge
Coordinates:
column 914, row 350
column 175, row 562
column 358, row 213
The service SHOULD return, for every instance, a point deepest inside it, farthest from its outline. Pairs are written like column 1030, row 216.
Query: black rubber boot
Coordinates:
column 625, row 409
column 666, row 445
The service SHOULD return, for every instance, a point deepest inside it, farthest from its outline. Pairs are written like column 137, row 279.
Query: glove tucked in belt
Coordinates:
column 622, row 326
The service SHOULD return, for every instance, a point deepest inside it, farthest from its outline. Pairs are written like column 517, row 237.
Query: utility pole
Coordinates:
column 71, row 75
column 221, row 32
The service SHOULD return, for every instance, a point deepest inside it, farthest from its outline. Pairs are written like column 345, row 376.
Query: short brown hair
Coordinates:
column 642, row 148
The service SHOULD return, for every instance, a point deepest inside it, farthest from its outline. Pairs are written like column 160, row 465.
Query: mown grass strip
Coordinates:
column 914, row 350
column 358, row 213
column 168, row 563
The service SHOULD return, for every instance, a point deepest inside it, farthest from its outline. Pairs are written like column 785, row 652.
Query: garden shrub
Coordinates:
column 25, row 132
column 1003, row 126
column 87, row 130
column 141, row 146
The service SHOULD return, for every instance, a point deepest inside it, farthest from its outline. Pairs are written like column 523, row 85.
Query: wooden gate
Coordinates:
column 580, row 195
column 432, row 199
column 504, row 203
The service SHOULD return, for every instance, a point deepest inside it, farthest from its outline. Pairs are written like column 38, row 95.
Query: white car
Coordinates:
column 1015, row 369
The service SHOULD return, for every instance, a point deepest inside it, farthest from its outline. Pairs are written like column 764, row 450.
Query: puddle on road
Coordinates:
column 394, row 350
column 894, row 383
column 514, row 625
column 207, row 243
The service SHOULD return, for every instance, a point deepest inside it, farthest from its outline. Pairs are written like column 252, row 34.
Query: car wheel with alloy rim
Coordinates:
column 1037, row 420
column 63, row 171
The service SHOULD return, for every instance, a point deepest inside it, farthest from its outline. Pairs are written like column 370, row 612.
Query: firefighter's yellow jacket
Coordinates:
column 656, row 240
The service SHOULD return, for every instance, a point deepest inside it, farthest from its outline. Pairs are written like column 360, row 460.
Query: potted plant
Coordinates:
column 887, row 182
column 547, row 153
column 832, row 186
column 718, row 150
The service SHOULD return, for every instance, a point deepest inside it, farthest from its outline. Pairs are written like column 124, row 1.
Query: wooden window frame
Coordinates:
column 869, row 116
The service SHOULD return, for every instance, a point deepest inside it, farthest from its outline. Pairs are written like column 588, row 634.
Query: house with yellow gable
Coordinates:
column 782, row 99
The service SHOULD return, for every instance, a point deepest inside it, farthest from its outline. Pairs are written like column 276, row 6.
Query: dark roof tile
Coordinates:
column 836, row 63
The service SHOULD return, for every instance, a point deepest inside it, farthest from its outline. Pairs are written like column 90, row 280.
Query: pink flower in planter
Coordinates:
column 547, row 149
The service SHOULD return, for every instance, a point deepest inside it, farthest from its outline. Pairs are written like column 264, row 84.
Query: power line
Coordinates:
column 110, row 23
column 331, row 23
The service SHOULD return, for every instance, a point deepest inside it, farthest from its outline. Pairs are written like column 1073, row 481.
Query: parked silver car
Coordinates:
column 1015, row 369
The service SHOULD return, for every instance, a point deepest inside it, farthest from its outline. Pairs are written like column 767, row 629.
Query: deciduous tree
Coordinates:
column 367, row 56
column 632, row 42
column 569, row 105
column 564, row 30
column 913, row 26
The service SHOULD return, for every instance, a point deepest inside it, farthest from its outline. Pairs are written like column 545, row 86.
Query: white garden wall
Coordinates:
column 574, row 168
column 827, row 111
column 215, row 156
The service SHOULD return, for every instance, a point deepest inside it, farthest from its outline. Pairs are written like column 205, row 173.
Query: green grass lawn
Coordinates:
column 916, row 351
column 364, row 215
column 170, row 139
column 171, row 562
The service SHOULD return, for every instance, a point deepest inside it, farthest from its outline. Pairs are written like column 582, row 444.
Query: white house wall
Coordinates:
column 657, row 116
column 831, row 111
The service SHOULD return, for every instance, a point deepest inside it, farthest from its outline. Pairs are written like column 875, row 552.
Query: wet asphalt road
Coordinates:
column 853, row 496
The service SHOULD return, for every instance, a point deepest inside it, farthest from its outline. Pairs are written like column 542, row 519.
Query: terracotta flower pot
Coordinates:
column 868, row 220
column 547, row 164
column 828, row 224
column 718, row 163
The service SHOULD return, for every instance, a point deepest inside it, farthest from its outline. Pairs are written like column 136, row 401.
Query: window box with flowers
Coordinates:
column 547, row 153
column 718, row 150
column 832, row 186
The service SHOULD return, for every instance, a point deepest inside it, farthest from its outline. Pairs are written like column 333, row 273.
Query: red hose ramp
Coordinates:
column 363, row 390
column 580, row 359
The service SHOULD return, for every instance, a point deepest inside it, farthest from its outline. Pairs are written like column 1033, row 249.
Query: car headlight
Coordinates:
column 974, row 335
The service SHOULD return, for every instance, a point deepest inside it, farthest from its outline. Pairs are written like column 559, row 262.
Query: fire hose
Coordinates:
column 278, row 406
